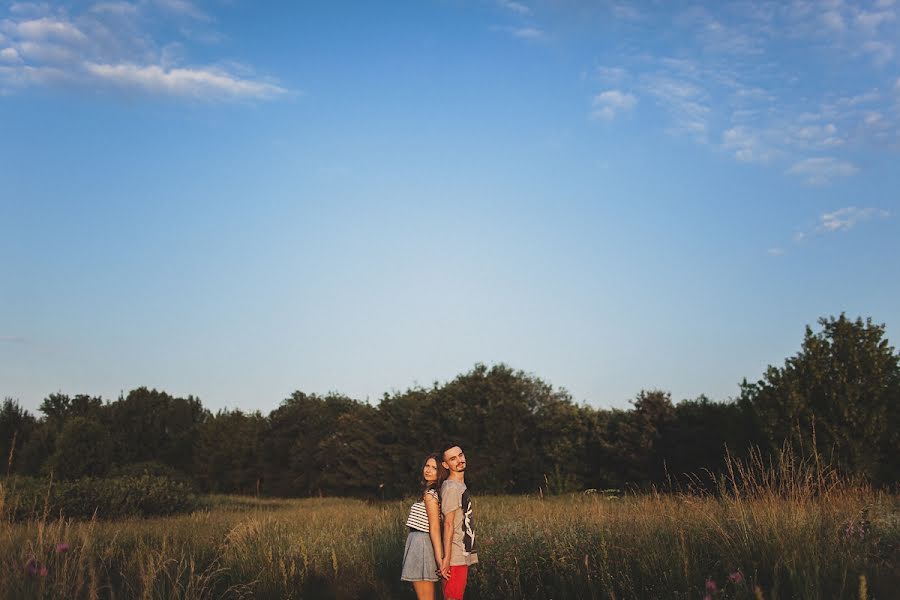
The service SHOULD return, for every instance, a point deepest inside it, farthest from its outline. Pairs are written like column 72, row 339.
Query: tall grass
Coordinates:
column 790, row 529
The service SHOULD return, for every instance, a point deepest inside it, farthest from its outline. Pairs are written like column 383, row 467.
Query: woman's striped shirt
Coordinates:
column 418, row 516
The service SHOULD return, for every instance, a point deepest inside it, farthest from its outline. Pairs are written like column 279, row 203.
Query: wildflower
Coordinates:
column 31, row 567
column 62, row 547
column 707, row 597
column 736, row 577
column 43, row 571
column 711, row 585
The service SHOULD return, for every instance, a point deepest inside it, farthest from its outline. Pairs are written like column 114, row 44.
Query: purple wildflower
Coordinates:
column 736, row 577
column 711, row 585
column 62, row 547
column 31, row 567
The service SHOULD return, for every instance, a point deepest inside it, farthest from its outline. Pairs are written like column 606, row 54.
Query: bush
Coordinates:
column 111, row 498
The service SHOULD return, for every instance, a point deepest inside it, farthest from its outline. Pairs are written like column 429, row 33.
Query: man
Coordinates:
column 459, row 535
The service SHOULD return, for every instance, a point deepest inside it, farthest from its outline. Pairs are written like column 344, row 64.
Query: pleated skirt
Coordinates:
column 418, row 558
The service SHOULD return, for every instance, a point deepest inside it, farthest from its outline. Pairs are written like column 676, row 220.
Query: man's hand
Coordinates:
column 445, row 567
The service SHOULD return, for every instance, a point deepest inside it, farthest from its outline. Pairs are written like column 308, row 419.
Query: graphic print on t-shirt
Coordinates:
column 468, row 526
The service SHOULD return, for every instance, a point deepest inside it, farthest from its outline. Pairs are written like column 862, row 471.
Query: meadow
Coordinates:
column 762, row 532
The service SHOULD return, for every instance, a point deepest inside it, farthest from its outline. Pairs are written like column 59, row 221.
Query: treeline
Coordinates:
column 838, row 395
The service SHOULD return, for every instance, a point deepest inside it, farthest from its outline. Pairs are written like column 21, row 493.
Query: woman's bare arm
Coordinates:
column 433, row 508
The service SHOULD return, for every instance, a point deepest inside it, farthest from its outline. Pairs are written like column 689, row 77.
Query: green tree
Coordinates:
column 295, row 430
column 840, row 394
column 16, row 426
column 83, row 449
column 227, row 452
column 633, row 441
column 150, row 425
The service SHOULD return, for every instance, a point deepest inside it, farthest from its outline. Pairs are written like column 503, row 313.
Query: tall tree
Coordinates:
column 83, row 449
column 840, row 394
column 151, row 425
column 296, row 428
column 16, row 426
column 227, row 452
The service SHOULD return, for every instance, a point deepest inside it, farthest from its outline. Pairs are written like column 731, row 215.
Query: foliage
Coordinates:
column 83, row 449
column 839, row 396
column 16, row 426
column 109, row 498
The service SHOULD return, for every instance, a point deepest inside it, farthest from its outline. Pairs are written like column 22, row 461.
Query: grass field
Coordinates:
column 771, row 535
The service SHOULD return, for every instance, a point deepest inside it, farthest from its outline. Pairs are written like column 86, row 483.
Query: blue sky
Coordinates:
column 236, row 199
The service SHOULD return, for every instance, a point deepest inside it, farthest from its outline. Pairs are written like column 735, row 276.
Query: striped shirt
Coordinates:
column 418, row 516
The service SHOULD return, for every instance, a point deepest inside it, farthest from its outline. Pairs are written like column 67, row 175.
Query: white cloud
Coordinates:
column 183, row 8
column 746, row 145
column 833, row 20
column 881, row 52
column 528, row 33
column 611, row 74
column 516, row 7
column 110, row 45
column 115, row 8
column 50, row 29
column 815, row 136
column 822, row 170
column 200, row 83
column 776, row 251
column 44, row 52
column 30, row 8
column 9, row 55
column 686, row 104
column 12, row 339
column 608, row 104
column 871, row 21
column 625, row 11
column 845, row 218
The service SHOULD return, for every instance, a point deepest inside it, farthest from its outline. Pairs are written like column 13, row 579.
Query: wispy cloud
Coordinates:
column 610, row 103
column 728, row 85
column 528, row 33
column 11, row 339
column 525, row 33
column 846, row 218
column 841, row 219
column 198, row 83
column 746, row 145
column 515, row 7
column 109, row 45
column 822, row 170
column 685, row 102
column 183, row 8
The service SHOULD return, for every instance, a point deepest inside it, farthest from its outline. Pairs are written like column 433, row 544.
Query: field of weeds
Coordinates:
column 781, row 533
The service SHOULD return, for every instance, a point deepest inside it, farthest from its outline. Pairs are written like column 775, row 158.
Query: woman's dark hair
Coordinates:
column 442, row 473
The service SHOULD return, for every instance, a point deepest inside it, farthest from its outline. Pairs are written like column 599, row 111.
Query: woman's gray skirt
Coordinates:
column 418, row 558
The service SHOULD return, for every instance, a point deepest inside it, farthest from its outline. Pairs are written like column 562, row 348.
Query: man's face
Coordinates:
column 455, row 460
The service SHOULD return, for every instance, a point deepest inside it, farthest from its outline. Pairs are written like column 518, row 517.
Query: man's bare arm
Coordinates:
column 449, row 520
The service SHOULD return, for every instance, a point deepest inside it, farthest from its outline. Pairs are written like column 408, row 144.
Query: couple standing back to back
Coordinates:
column 441, row 540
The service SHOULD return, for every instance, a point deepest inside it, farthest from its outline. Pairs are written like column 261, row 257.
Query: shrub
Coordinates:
column 111, row 498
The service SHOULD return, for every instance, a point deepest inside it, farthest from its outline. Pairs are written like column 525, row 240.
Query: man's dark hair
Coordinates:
column 446, row 447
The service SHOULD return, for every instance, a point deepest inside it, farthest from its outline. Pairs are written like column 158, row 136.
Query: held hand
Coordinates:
column 445, row 568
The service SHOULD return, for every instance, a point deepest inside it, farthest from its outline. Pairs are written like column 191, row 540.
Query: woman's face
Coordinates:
column 429, row 471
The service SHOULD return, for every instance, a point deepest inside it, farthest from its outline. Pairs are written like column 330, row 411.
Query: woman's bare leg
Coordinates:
column 424, row 590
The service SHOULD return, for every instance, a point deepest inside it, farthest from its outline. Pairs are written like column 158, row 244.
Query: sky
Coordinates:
column 237, row 199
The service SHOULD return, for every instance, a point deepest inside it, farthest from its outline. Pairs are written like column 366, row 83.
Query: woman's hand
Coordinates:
column 445, row 567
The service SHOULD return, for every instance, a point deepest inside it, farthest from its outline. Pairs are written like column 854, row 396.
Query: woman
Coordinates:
column 424, row 550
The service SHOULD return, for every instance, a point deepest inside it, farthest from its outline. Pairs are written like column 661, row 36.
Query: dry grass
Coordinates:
column 791, row 530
